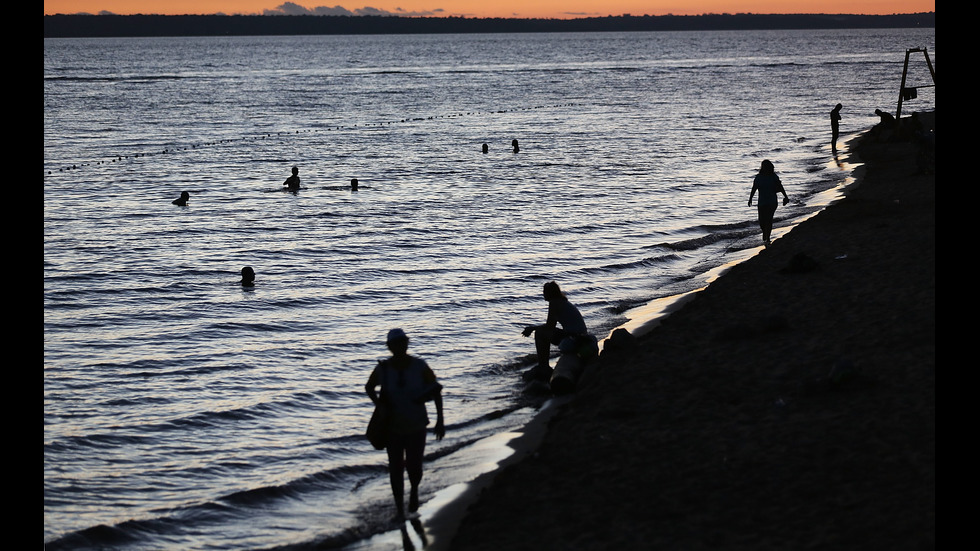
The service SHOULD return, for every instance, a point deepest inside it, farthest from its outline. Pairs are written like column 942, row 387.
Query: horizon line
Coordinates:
column 111, row 14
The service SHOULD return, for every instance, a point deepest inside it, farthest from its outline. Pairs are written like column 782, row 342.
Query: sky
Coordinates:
column 558, row 9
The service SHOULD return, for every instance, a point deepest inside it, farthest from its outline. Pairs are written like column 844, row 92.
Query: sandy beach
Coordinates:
column 789, row 405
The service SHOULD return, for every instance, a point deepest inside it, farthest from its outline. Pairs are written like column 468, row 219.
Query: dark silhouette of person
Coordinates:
column 182, row 200
column 516, row 148
column 886, row 128
column 407, row 383
column 768, row 185
column 353, row 184
column 293, row 181
column 248, row 276
column 835, row 126
column 560, row 311
column 486, row 148
column 886, row 117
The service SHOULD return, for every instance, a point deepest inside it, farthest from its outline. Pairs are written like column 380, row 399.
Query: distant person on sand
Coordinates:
column 768, row 185
column 407, row 383
column 248, row 276
column 835, row 126
column 560, row 311
column 182, row 200
column 293, row 181
column 886, row 117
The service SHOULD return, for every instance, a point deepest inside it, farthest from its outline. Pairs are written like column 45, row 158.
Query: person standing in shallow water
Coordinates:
column 768, row 185
column 293, row 181
column 407, row 383
column 835, row 126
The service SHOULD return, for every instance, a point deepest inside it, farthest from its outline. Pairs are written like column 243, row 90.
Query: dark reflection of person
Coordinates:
column 835, row 126
column 182, row 200
column 248, row 276
column 768, row 185
column 407, row 383
column 560, row 311
column 516, row 147
column 293, row 181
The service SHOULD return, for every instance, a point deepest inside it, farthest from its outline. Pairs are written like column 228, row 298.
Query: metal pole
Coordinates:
column 901, row 90
column 929, row 63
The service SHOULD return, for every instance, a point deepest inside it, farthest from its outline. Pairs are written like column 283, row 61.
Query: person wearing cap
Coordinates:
column 560, row 311
column 407, row 383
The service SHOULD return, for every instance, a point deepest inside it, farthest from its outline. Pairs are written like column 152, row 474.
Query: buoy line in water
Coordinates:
column 281, row 134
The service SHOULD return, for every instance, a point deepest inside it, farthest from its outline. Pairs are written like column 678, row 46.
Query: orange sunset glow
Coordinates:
column 553, row 9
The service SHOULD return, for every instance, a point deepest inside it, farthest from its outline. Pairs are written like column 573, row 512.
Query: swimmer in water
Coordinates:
column 182, row 201
column 248, row 276
column 353, row 184
column 514, row 143
column 293, row 181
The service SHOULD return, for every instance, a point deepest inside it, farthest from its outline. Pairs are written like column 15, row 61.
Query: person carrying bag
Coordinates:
column 407, row 383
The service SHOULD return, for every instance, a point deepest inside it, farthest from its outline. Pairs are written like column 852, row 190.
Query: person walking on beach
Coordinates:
column 292, row 182
column 835, row 126
column 560, row 311
column 768, row 185
column 407, row 383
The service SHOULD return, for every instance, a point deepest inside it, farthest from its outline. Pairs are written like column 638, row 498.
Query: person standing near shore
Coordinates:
column 768, row 185
column 560, row 311
column 835, row 126
column 407, row 383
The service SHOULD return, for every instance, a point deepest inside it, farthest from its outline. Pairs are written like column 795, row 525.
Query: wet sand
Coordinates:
column 789, row 405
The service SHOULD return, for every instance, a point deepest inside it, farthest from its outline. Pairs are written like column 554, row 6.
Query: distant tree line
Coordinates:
column 81, row 25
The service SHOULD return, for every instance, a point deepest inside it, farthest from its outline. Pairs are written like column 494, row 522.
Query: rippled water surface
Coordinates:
column 183, row 411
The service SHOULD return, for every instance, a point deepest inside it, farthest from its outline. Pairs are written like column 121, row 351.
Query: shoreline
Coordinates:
column 449, row 505
column 496, row 511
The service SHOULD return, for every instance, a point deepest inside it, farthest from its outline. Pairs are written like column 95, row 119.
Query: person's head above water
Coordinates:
column 184, row 196
column 353, row 183
column 248, row 275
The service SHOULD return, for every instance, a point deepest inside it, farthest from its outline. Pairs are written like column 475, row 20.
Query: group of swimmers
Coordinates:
column 292, row 183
